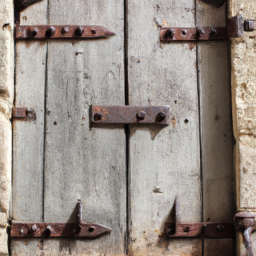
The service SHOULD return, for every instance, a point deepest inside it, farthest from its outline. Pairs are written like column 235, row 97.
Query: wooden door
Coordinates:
column 126, row 177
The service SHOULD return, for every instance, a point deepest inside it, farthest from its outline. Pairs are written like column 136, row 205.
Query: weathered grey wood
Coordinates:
column 83, row 164
column 28, row 138
column 164, row 163
column 216, row 129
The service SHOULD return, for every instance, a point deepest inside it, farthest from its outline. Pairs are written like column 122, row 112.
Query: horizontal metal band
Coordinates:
column 61, row 32
column 57, row 230
column 206, row 229
column 130, row 115
column 193, row 34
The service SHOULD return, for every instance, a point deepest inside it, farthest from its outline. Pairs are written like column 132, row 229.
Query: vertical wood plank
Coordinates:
column 164, row 163
column 28, row 137
column 82, row 163
column 216, row 129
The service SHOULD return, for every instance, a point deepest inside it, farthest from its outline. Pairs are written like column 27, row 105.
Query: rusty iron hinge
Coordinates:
column 64, row 32
column 180, row 229
column 23, row 114
column 54, row 31
column 130, row 115
column 77, row 230
column 235, row 28
column 245, row 223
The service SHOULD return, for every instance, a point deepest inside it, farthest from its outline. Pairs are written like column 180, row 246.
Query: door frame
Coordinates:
column 241, row 60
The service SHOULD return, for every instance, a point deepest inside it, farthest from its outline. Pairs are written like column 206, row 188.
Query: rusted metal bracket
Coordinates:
column 61, row 32
column 130, row 115
column 236, row 27
column 79, row 230
column 197, row 229
column 245, row 223
column 23, row 114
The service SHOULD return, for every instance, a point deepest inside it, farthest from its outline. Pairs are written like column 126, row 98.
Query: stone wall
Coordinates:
column 6, row 100
column 243, row 81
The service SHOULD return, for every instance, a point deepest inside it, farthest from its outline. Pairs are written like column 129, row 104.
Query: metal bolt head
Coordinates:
column 34, row 228
column 220, row 228
column 91, row 229
column 200, row 32
column 97, row 117
column 34, row 32
column 48, row 230
column 64, row 30
column 79, row 31
column 141, row 115
column 171, row 231
column 50, row 32
column 184, row 32
column 169, row 33
column 249, row 25
column 213, row 32
column 186, row 229
column 160, row 117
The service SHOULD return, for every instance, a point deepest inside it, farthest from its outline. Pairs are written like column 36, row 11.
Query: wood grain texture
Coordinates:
column 216, row 129
column 28, row 138
column 164, row 163
column 83, row 164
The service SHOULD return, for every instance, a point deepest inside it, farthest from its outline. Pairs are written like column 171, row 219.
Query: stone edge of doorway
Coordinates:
column 6, row 101
column 243, row 56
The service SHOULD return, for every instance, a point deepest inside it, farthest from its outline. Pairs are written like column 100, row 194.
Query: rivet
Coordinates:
column 213, row 32
column 220, row 228
column 169, row 33
column 48, row 230
column 186, row 229
column 184, row 32
column 50, row 32
column 64, row 30
column 34, row 32
column 79, row 31
column 141, row 115
column 160, row 117
column 34, row 228
column 200, row 32
column 91, row 229
column 97, row 117
column 171, row 231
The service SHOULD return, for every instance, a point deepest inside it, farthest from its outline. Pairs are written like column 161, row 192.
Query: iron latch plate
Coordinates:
column 23, row 114
column 130, row 115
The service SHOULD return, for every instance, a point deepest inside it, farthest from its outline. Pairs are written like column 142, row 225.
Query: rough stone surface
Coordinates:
column 243, row 77
column 6, row 99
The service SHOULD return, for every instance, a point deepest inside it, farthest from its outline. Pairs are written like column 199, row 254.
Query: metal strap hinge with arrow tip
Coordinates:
column 40, row 32
column 179, row 229
column 81, row 229
column 235, row 28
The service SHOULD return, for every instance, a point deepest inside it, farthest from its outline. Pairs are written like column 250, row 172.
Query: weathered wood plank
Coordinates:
column 28, row 139
column 164, row 163
column 216, row 129
column 83, row 164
